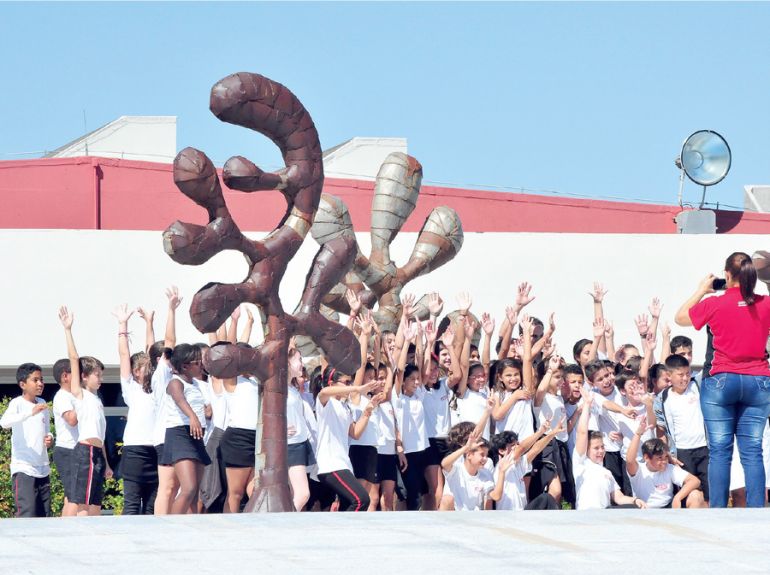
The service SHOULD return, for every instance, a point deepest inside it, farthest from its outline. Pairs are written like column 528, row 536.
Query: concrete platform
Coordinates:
column 488, row 543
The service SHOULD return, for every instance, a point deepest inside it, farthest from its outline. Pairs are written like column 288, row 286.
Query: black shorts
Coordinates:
column 180, row 445
column 696, row 462
column 557, row 463
column 300, row 454
column 87, row 478
column 62, row 459
column 32, row 495
column 438, row 449
column 139, row 463
column 387, row 467
column 364, row 461
column 237, row 447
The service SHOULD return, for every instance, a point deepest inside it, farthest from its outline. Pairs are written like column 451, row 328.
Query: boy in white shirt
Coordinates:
column 467, row 478
column 65, row 420
column 653, row 481
column 682, row 420
column 28, row 418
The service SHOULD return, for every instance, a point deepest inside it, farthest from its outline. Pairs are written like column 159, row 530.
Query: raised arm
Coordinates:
column 541, row 443
column 149, row 328
column 581, row 438
column 597, row 295
column 247, row 327
column 174, row 300
column 488, row 328
column 455, row 380
column 528, row 372
column 354, row 302
column 67, row 319
column 598, row 334
column 232, row 331
column 649, row 355
column 122, row 314
column 665, row 335
column 430, row 338
column 333, row 390
column 547, row 339
column 632, row 466
column 542, row 388
column 365, row 325
column 472, row 443
column 407, row 307
column 357, row 429
column 609, row 339
column 435, row 306
column 655, row 308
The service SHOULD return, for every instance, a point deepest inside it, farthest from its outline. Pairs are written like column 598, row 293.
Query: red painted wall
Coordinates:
column 62, row 193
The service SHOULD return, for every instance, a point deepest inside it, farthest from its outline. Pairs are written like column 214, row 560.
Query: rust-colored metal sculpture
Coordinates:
column 258, row 103
column 396, row 190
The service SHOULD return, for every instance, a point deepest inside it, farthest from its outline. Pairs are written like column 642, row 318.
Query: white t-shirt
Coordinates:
column 66, row 434
column 607, row 420
column 519, row 419
column 334, row 420
column 370, row 436
column 140, row 426
column 685, row 418
column 471, row 407
column 436, row 404
column 91, row 421
column 593, row 482
column 160, row 378
column 29, row 454
column 243, row 404
column 218, row 405
column 410, row 415
column 469, row 490
column 514, row 491
column 656, row 488
column 175, row 417
column 552, row 409
column 295, row 417
column 387, row 423
column 628, row 427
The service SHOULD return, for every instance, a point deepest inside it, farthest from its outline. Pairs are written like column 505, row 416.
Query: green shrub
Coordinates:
column 113, row 489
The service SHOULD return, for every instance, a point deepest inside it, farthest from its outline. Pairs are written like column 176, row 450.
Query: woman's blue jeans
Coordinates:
column 735, row 405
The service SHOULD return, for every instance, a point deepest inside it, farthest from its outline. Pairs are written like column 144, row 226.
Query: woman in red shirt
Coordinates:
column 735, row 399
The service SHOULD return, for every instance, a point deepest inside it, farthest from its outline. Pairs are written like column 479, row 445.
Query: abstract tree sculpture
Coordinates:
column 396, row 190
column 258, row 103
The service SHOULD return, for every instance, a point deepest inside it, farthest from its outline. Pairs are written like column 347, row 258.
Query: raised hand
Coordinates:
column 649, row 342
column 65, row 317
column 598, row 293
column 523, row 297
column 609, row 330
column 648, row 399
column 474, row 440
column 435, row 304
column 642, row 324
column 407, row 305
column 464, row 302
column 490, row 403
column 527, row 326
column 511, row 315
column 549, row 348
column 146, row 315
column 551, row 324
column 470, row 328
column 448, row 337
column 249, row 315
column 377, row 399
column 518, row 347
column 643, row 426
column 174, row 299
column 655, row 308
column 487, row 323
column 236, row 315
column 410, row 333
column 508, row 461
column 665, row 331
column 353, row 301
column 38, row 407
column 367, row 387
column 554, row 363
column 122, row 314
column 561, row 426
column 430, row 332
column 599, row 325
column 587, row 395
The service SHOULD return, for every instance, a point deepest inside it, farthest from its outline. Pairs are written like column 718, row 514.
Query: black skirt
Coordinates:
column 180, row 445
column 139, row 463
column 237, row 447
column 300, row 454
column 364, row 461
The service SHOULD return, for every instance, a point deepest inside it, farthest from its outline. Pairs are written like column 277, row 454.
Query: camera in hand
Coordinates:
column 719, row 284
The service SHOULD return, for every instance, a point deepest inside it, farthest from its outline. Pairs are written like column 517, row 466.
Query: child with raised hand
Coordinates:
column 89, row 460
column 66, row 424
column 513, row 399
column 363, row 450
column 641, row 402
column 596, row 487
column 653, row 481
column 335, row 426
column 516, row 462
column 139, row 462
column 28, row 418
column 467, row 478
column 300, row 454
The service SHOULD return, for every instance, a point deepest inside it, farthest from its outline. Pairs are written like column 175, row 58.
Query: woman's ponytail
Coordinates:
column 742, row 269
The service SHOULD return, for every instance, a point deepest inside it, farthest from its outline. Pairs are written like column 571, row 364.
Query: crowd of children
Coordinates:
column 428, row 422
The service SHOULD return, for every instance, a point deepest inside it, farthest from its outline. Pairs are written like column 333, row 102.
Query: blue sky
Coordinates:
column 591, row 99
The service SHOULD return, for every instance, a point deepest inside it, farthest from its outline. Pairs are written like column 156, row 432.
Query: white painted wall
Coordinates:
column 360, row 158
column 91, row 271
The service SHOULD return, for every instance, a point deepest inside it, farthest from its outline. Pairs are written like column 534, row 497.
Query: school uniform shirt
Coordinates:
column 175, row 417
column 243, row 404
column 656, row 488
column 295, row 417
column 66, row 434
column 628, row 427
column 370, row 436
column 519, row 419
column 514, row 491
column 334, row 420
column 594, row 483
column 410, row 414
column 468, row 490
column 140, row 424
column 387, row 435
column 685, row 418
column 29, row 454
column 607, row 420
column 552, row 409
column 471, row 407
column 436, row 405
column 218, row 405
column 91, row 421
column 159, row 382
